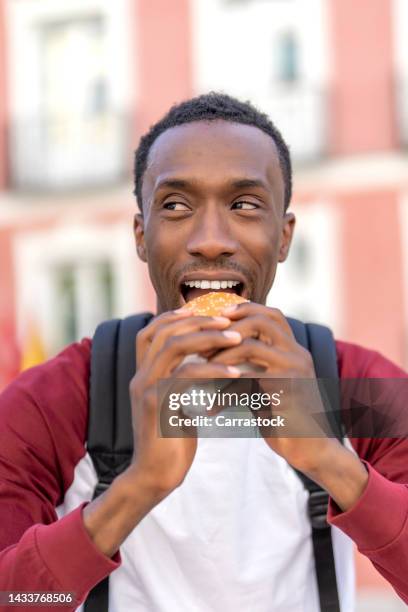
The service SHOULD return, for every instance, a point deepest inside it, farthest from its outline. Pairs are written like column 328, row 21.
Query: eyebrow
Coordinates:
column 248, row 183
column 244, row 183
column 173, row 184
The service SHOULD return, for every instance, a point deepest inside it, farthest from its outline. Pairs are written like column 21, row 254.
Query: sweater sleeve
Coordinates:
column 43, row 420
column 378, row 522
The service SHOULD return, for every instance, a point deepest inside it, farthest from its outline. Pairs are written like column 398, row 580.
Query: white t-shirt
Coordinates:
column 234, row 537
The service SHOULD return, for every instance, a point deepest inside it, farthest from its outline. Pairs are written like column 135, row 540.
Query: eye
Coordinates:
column 245, row 205
column 172, row 205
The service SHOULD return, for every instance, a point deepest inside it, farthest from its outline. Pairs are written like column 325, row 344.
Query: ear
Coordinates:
column 138, row 230
column 289, row 221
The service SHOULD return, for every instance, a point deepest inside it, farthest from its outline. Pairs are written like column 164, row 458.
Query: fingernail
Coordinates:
column 183, row 311
column 221, row 319
column 233, row 335
column 234, row 371
column 229, row 309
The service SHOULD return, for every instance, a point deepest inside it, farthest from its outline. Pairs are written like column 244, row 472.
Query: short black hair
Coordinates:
column 210, row 107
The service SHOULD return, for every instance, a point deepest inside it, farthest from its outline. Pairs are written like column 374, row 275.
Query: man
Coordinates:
column 212, row 524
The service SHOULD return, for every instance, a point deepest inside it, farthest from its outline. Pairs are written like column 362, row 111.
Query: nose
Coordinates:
column 211, row 237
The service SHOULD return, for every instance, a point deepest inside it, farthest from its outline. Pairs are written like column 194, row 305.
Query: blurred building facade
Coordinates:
column 332, row 75
column 80, row 81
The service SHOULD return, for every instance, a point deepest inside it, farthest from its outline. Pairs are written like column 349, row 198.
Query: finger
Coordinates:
column 165, row 317
column 254, row 351
column 239, row 311
column 190, row 325
column 176, row 348
column 206, row 370
column 144, row 336
column 262, row 328
column 169, row 327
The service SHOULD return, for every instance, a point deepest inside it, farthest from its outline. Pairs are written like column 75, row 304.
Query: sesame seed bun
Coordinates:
column 211, row 304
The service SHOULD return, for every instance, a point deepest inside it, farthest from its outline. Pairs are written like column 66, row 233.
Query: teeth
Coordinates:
column 215, row 284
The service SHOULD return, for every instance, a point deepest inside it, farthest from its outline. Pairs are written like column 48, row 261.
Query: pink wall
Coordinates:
column 163, row 40
column 362, row 101
column 9, row 355
column 373, row 303
column 3, row 98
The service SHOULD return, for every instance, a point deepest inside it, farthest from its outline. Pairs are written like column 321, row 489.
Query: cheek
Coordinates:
column 262, row 245
column 163, row 248
column 160, row 240
column 263, row 249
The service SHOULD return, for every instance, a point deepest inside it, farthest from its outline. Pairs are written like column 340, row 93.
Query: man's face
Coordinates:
column 213, row 210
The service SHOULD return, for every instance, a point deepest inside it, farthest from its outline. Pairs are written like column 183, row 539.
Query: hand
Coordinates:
column 268, row 341
column 163, row 462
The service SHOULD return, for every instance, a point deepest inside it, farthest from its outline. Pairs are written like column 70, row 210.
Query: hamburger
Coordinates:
column 213, row 303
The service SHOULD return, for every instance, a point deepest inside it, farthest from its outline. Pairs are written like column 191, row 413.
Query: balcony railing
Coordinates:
column 69, row 152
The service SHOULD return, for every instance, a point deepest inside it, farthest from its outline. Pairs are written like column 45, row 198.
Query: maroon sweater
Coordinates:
column 43, row 423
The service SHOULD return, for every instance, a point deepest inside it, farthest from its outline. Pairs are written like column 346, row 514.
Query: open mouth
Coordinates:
column 195, row 288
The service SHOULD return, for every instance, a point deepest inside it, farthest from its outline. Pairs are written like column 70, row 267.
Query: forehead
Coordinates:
column 214, row 150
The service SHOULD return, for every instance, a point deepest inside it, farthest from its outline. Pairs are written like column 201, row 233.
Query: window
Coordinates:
column 283, row 70
column 287, row 56
column 74, row 92
column 69, row 104
column 71, row 277
column 306, row 285
column 83, row 297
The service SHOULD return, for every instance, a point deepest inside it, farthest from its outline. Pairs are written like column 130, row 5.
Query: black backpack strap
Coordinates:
column 320, row 342
column 109, row 439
